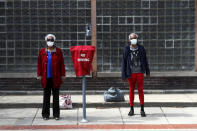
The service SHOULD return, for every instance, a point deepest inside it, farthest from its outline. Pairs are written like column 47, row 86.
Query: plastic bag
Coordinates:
column 114, row 95
column 65, row 101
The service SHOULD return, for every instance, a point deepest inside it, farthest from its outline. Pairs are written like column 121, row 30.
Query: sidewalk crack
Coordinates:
column 34, row 116
column 121, row 117
column 164, row 115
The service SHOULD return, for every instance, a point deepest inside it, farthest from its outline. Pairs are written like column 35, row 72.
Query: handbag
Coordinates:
column 65, row 101
column 114, row 95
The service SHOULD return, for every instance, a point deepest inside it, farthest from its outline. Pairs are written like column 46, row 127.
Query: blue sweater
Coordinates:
column 49, row 66
column 126, row 61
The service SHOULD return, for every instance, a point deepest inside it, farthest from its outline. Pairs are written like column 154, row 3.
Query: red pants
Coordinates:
column 139, row 79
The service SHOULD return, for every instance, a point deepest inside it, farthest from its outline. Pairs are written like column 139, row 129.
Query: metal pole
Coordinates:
column 84, row 120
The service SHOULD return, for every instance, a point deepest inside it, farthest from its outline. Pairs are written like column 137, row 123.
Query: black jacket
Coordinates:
column 126, row 61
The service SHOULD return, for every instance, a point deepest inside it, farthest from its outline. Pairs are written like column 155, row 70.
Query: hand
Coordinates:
column 148, row 76
column 38, row 77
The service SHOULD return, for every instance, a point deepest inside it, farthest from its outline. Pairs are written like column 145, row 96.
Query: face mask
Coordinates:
column 133, row 41
column 50, row 44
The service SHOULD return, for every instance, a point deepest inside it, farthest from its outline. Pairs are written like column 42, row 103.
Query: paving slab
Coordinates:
column 17, row 113
column 8, row 121
column 67, row 117
column 24, row 121
column 89, row 98
column 167, row 98
column 191, row 110
column 193, row 113
column 180, row 115
column 21, row 99
column 101, row 116
column 154, row 116
column 17, row 116
column 192, row 97
column 92, row 98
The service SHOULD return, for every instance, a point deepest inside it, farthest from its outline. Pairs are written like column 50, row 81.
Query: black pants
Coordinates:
column 46, row 100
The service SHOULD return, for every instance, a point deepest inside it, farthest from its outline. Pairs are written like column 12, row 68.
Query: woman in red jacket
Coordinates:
column 51, row 71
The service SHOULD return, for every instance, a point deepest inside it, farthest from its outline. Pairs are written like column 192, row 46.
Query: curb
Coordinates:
column 103, row 105
column 104, row 127
column 96, row 92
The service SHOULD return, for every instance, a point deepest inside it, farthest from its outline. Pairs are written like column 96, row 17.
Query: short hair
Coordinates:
column 132, row 34
column 51, row 36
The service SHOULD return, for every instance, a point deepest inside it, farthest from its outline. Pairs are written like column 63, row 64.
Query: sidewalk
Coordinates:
column 164, row 111
column 151, row 100
column 106, row 118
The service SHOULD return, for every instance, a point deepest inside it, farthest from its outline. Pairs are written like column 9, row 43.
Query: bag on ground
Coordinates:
column 113, row 95
column 65, row 101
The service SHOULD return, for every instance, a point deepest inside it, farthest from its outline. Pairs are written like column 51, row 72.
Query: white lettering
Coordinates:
column 83, row 55
column 83, row 59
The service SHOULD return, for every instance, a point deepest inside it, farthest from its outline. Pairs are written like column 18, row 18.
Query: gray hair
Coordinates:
column 50, row 35
column 132, row 34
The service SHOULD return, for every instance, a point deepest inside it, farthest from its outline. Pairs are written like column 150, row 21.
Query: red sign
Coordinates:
column 82, row 57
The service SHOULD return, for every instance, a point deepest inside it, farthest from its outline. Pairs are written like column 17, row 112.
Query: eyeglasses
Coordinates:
column 50, row 40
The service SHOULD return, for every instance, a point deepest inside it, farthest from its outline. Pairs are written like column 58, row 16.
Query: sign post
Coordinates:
column 82, row 57
column 84, row 120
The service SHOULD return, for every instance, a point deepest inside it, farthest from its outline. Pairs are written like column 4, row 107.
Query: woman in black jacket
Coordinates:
column 134, row 65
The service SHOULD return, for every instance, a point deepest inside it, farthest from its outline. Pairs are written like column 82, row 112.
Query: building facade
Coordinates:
column 166, row 28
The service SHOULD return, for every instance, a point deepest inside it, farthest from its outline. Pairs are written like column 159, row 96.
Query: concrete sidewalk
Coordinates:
column 164, row 111
column 151, row 100
column 105, row 118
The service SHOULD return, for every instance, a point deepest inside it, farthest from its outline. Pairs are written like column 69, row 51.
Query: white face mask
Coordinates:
column 133, row 41
column 50, row 44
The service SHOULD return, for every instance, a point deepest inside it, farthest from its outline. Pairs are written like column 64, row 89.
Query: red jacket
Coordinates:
column 58, row 67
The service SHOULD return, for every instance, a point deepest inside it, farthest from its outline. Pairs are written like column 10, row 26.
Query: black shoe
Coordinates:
column 56, row 118
column 143, row 114
column 131, row 113
column 45, row 118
